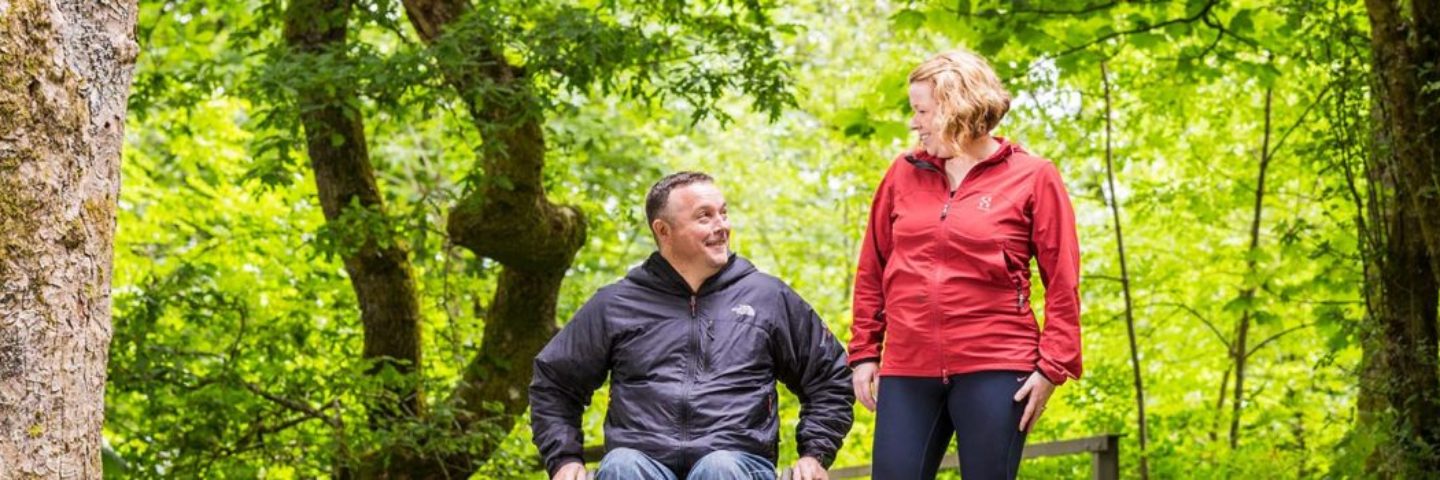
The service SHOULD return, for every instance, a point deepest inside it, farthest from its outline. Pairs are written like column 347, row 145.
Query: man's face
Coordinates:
column 694, row 229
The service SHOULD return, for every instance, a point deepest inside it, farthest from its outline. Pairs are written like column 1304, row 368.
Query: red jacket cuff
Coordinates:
column 1052, row 372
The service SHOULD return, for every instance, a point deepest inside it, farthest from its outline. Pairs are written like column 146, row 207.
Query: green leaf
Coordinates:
column 908, row 19
column 1264, row 317
column 1193, row 7
column 1258, row 255
column 1239, row 304
column 1339, row 340
column 1147, row 40
column 855, row 122
column 992, row 45
column 112, row 463
column 891, row 131
column 1243, row 23
column 859, row 130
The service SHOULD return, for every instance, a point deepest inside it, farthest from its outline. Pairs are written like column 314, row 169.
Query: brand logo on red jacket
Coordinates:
column 984, row 203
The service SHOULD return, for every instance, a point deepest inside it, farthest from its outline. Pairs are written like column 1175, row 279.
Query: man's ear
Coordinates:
column 661, row 230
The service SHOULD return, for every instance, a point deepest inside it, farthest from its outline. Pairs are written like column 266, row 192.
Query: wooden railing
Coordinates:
column 1104, row 453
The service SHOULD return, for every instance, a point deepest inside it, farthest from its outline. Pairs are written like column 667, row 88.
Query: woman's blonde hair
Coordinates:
column 970, row 100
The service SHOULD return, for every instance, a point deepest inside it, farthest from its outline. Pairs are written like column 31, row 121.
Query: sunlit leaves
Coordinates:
column 221, row 249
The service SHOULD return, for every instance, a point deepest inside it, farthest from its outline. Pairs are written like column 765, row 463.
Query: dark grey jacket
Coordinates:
column 691, row 373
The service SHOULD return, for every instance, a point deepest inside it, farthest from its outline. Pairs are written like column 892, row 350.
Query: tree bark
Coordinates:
column 67, row 68
column 1405, row 48
column 1399, row 381
column 506, row 218
column 1400, row 374
column 379, row 266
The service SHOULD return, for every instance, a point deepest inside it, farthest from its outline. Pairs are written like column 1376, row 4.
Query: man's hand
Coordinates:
column 1036, row 393
column 808, row 468
column 571, row 471
column 864, row 381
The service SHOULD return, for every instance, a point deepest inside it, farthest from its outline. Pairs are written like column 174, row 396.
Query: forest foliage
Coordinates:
column 1236, row 133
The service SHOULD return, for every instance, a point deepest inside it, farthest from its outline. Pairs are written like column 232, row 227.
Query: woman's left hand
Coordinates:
column 1036, row 392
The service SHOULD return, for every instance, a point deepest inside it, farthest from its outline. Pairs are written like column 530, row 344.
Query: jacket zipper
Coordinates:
column 935, row 295
column 935, row 277
column 704, row 333
column 689, row 377
column 935, row 299
column 1019, row 291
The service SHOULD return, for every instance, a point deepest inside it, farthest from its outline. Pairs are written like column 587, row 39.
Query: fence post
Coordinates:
column 1105, row 464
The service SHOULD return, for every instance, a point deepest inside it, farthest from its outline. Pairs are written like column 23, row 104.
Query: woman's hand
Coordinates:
column 864, row 381
column 1036, row 393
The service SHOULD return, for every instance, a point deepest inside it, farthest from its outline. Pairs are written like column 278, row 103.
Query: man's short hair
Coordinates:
column 659, row 195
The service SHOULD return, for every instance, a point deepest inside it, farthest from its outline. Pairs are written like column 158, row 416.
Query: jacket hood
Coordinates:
column 657, row 274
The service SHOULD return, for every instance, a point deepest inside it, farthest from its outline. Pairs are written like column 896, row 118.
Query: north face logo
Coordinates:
column 984, row 203
column 744, row 310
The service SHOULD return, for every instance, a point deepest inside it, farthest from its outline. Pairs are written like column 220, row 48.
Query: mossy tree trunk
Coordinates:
column 379, row 266
column 508, row 219
column 1400, row 378
column 65, row 73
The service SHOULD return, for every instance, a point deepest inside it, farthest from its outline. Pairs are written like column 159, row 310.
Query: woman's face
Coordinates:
column 922, row 102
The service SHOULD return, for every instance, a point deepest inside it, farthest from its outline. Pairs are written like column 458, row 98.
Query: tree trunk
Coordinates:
column 1400, row 387
column 1143, row 426
column 1400, row 375
column 1239, row 351
column 66, row 73
column 506, row 218
column 378, row 264
column 1405, row 48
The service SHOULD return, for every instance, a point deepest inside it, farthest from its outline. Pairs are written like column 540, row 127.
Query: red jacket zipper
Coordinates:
column 935, row 288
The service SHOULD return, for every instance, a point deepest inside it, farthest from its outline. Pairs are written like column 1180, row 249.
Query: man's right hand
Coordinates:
column 864, row 381
column 571, row 471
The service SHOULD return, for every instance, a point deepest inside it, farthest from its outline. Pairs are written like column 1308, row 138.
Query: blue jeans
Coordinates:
column 631, row 464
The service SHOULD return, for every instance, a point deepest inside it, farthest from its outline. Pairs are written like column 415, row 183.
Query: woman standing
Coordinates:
column 942, row 311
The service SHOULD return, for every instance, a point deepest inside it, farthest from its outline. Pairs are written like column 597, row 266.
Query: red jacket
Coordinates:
column 943, row 285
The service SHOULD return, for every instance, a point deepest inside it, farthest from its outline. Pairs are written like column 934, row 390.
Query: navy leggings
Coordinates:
column 917, row 417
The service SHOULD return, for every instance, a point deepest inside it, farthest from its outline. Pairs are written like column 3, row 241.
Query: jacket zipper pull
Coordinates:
column 944, row 376
column 692, row 306
column 1019, row 300
column 944, row 212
